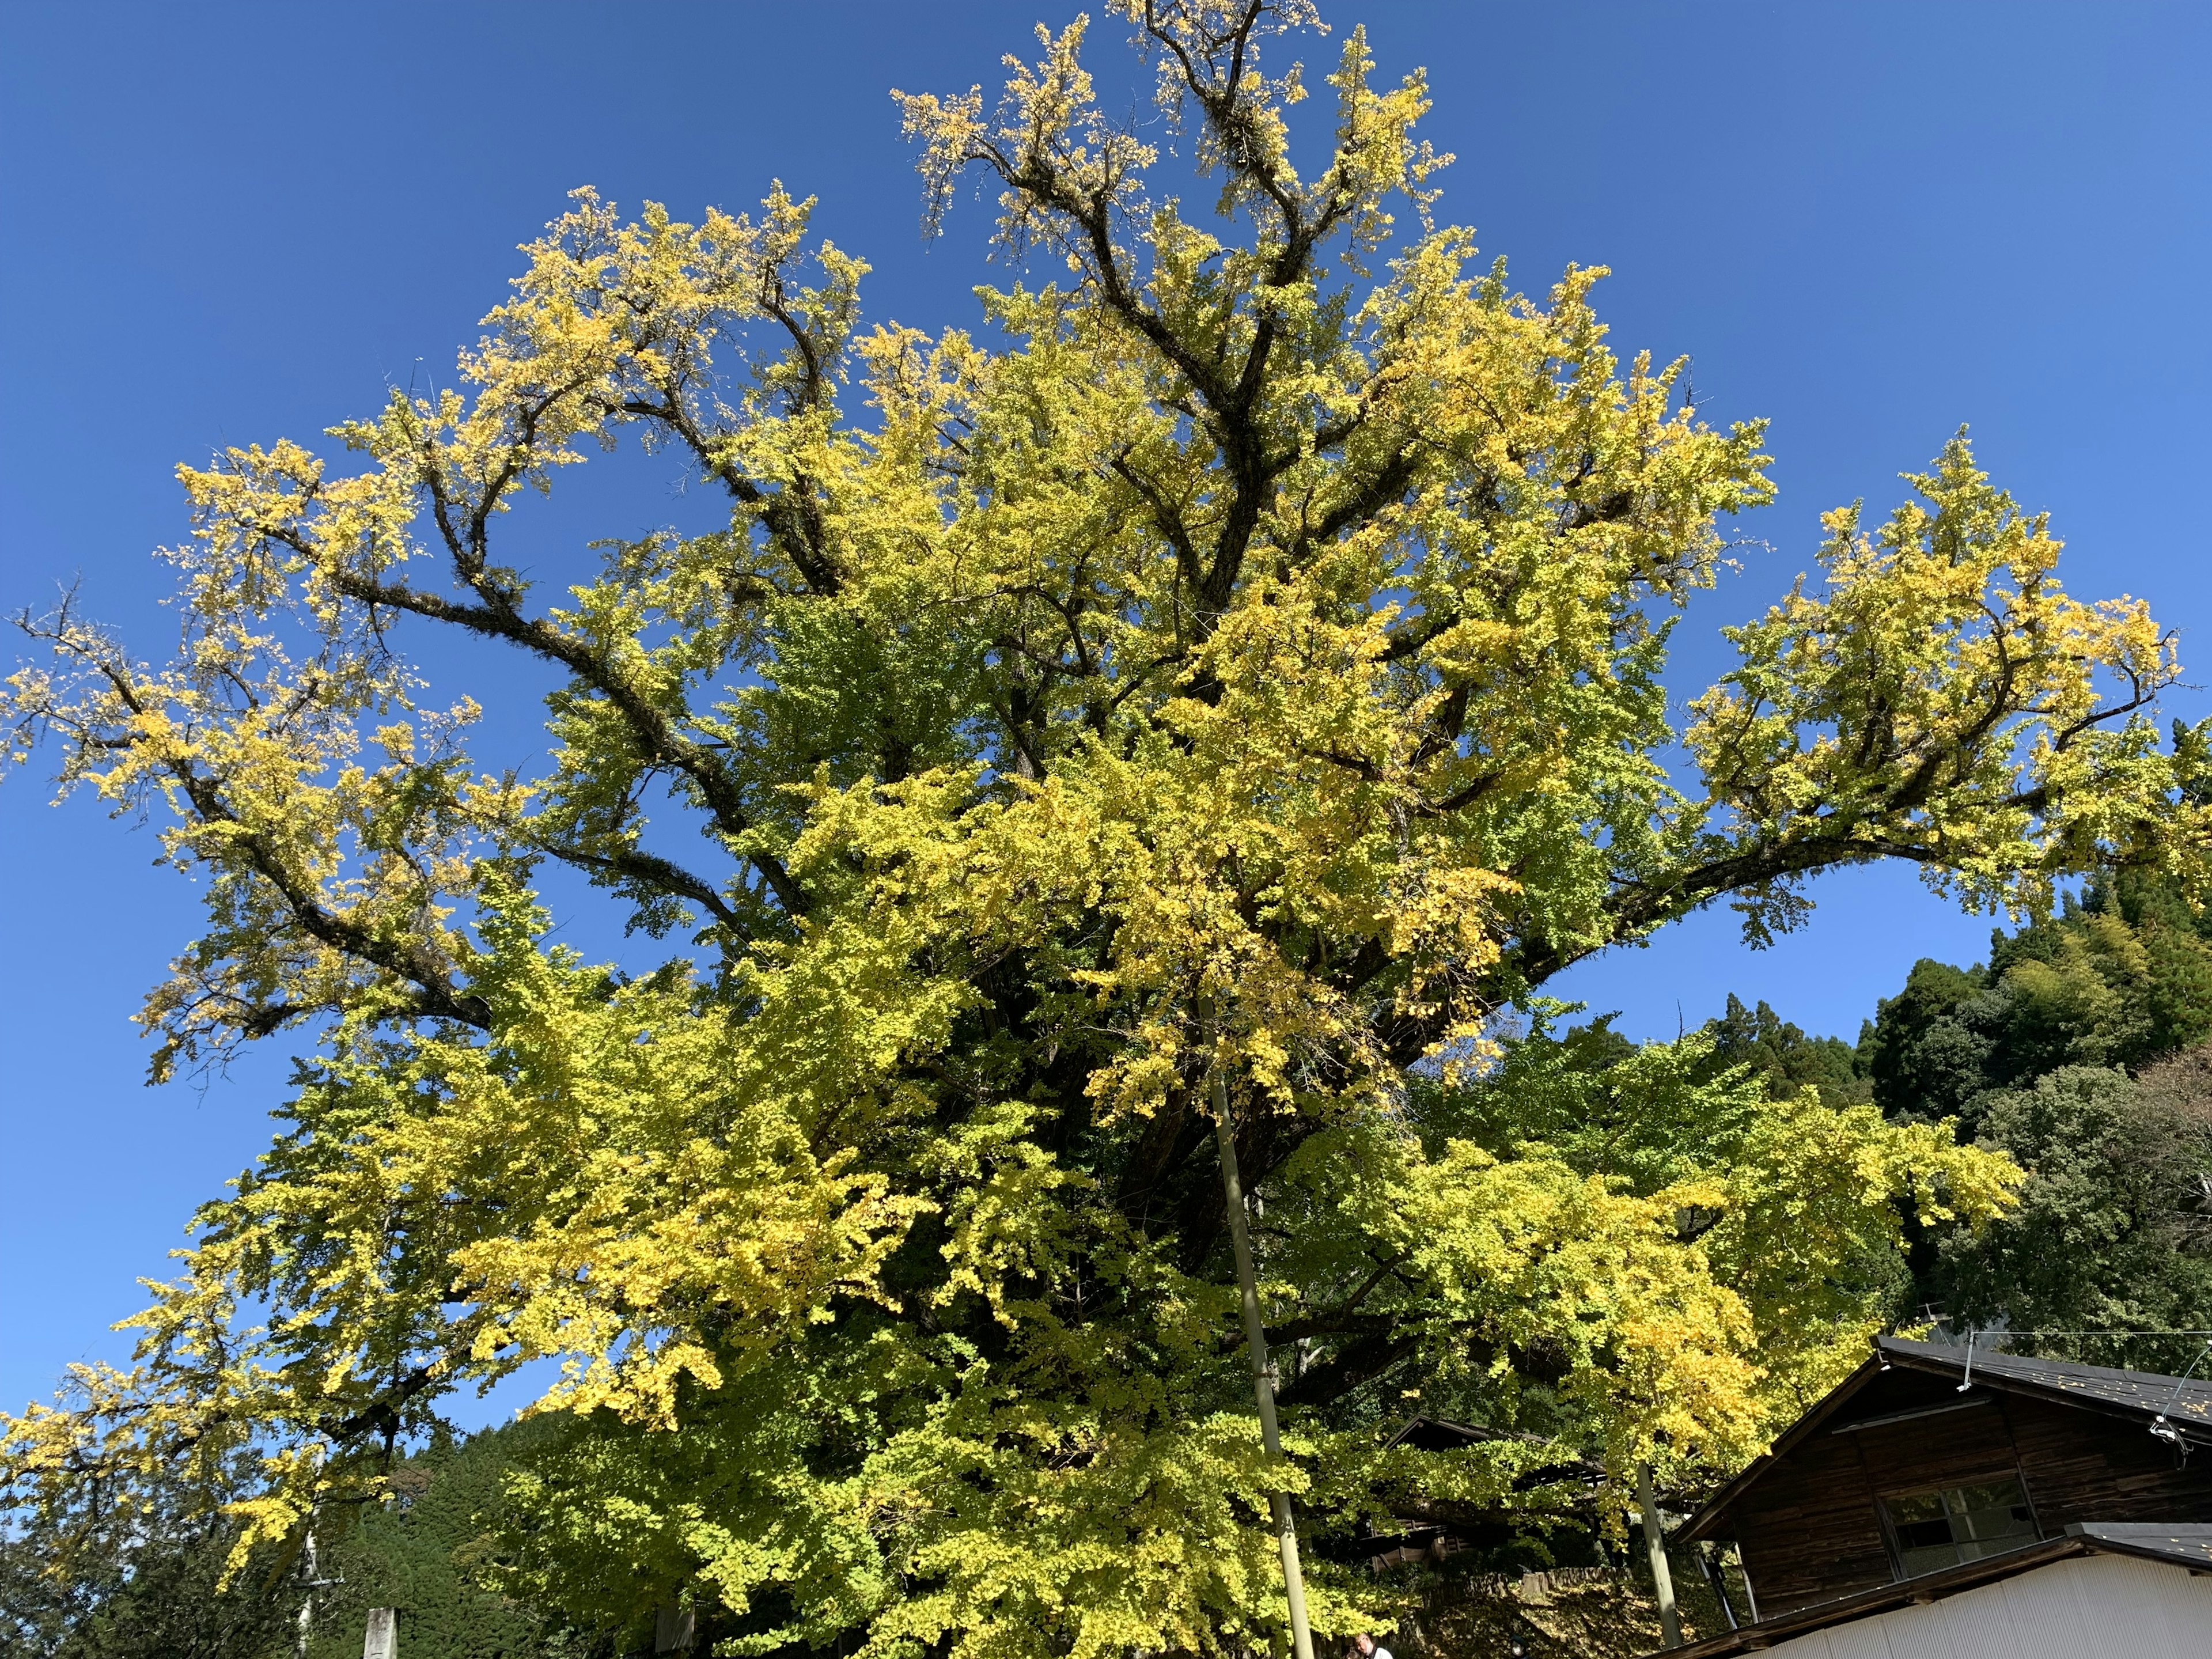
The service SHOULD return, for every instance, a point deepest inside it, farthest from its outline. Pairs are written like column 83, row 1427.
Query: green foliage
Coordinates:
column 2112, row 1232
column 1927, row 1050
column 1647, row 1117
column 2119, row 978
column 1783, row 1058
column 1240, row 680
column 155, row 1586
column 1798, row 1203
column 429, row 1551
column 2078, row 1051
column 138, row 1573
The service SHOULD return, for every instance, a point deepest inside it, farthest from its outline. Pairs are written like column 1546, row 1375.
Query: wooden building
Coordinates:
column 1942, row 1503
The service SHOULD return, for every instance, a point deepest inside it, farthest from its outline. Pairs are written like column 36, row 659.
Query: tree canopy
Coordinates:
column 1240, row 661
column 2078, row 1050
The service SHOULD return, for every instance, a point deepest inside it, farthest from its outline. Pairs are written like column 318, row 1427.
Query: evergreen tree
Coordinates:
column 1783, row 1058
column 145, row 1577
column 1926, row 1052
column 431, row 1551
column 135, row 1571
column 2110, row 1234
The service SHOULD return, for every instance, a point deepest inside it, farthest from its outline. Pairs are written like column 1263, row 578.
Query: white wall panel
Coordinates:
column 2145, row 1606
column 2094, row 1607
column 1862, row 1638
column 1919, row 1632
column 1981, row 1624
column 2047, row 1607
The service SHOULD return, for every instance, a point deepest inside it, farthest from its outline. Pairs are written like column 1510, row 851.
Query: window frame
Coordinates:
column 1895, row 1546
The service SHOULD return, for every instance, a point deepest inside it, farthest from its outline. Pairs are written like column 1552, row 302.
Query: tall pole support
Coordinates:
column 1654, row 1541
column 304, row 1626
column 1263, row 1369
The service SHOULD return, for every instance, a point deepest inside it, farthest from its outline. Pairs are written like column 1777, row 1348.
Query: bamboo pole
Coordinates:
column 1263, row 1370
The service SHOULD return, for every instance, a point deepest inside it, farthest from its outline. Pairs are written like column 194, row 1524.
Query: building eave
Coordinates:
column 2187, row 1547
column 1716, row 1511
column 1885, row 1598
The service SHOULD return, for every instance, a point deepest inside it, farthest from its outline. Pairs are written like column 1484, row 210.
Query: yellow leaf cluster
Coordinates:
column 1240, row 656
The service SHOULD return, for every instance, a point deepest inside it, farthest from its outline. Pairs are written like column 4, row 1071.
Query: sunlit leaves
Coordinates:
column 1241, row 655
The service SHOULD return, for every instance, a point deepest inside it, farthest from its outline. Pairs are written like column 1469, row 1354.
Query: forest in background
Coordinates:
column 2083, row 1046
column 2079, row 1048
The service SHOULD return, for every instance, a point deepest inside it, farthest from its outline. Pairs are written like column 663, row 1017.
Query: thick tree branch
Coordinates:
column 655, row 733
column 435, row 996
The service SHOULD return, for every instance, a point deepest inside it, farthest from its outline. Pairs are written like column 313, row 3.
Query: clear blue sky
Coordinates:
column 226, row 223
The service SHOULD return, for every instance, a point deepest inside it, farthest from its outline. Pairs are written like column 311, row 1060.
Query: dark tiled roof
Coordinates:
column 2142, row 1394
column 1435, row 1434
column 2189, row 1546
column 2145, row 1394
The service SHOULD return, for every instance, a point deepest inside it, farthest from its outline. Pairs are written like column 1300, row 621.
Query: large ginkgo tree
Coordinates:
column 1174, row 725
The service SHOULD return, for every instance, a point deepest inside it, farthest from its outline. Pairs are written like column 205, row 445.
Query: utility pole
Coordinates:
column 1263, row 1370
column 310, row 1581
column 306, row 1621
column 1654, row 1541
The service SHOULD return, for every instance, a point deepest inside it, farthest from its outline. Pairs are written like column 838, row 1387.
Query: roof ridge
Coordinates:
column 2000, row 1361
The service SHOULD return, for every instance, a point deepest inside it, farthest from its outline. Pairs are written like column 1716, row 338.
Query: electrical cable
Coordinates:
column 2160, row 1427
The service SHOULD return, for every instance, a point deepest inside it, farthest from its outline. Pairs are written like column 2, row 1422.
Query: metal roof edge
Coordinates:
column 2082, row 1538
column 1915, row 1358
column 2150, row 1540
column 1885, row 1598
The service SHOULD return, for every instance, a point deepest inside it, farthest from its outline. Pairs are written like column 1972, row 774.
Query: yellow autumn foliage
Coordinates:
column 1241, row 655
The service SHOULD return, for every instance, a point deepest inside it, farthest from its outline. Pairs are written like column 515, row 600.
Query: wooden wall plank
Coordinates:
column 1809, row 1527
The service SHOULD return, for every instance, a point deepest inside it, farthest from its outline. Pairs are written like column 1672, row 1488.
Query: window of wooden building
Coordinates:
column 1929, row 1531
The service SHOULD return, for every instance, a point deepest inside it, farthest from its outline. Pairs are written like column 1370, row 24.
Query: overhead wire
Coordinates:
column 2160, row 1428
